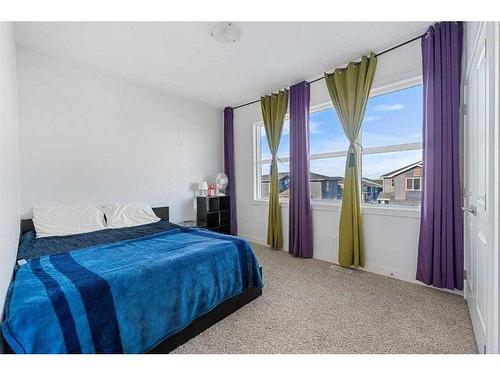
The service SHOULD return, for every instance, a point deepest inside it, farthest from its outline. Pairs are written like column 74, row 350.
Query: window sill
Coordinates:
column 265, row 202
column 368, row 209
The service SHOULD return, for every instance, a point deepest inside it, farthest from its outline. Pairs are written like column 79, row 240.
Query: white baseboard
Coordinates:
column 372, row 268
column 389, row 272
column 258, row 241
column 404, row 276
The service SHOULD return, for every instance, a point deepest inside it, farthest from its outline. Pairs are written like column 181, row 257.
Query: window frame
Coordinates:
column 321, row 203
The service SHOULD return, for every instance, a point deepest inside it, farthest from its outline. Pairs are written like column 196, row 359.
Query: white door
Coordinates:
column 476, row 180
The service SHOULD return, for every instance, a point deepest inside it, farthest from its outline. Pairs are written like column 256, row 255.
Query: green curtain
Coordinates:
column 273, row 113
column 349, row 90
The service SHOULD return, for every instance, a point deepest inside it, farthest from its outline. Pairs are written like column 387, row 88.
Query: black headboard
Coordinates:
column 161, row 212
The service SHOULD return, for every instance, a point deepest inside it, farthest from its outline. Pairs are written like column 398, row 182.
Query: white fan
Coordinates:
column 221, row 181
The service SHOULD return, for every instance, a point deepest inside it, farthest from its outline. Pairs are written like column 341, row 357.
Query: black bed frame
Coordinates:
column 201, row 323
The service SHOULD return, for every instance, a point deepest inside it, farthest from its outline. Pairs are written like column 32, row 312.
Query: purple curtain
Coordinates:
column 300, row 219
column 440, row 248
column 229, row 166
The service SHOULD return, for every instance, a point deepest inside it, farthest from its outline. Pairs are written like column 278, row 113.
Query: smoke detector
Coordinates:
column 225, row 32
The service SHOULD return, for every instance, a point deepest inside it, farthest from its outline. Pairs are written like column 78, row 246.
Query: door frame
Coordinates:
column 494, row 36
column 490, row 33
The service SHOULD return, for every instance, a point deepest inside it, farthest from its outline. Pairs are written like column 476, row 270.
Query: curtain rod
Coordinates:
column 323, row 77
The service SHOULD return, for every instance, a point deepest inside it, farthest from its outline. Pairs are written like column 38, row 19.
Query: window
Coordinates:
column 391, row 137
column 392, row 147
column 265, row 179
column 263, row 164
column 328, row 150
column 413, row 184
column 328, row 147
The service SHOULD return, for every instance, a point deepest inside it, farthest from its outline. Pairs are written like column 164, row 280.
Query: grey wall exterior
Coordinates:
column 399, row 187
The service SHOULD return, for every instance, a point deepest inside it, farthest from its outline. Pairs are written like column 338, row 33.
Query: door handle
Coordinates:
column 472, row 210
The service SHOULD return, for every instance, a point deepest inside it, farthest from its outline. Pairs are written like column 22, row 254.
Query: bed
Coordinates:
column 144, row 289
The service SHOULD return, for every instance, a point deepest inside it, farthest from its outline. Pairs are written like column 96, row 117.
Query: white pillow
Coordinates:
column 120, row 215
column 62, row 221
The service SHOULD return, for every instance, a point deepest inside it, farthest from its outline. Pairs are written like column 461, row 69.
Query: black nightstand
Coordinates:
column 214, row 211
column 192, row 224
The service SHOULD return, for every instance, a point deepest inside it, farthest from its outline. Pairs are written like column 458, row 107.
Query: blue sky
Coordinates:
column 390, row 119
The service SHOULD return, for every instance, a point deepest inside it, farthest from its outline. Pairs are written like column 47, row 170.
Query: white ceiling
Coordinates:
column 182, row 58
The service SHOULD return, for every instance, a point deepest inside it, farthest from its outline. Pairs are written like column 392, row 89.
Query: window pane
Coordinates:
column 326, row 133
column 409, row 184
column 264, row 146
column 416, row 183
column 393, row 118
column 385, row 177
column 327, row 178
column 284, row 147
column 284, row 180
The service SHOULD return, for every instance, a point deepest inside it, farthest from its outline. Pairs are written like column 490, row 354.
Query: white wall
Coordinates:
column 9, row 160
column 88, row 138
column 391, row 235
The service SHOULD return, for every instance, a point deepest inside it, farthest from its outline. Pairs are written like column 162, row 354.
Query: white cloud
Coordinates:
column 315, row 127
column 371, row 118
column 388, row 107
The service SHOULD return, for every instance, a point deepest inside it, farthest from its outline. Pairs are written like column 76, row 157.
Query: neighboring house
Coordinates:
column 321, row 187
column 402, row 186
column 324, row 187
column 370, row 189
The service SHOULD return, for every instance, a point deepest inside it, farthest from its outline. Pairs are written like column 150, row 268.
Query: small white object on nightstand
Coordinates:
column 203, row 188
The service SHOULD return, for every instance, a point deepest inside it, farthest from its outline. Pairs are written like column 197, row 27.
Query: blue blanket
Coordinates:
column 125, row 296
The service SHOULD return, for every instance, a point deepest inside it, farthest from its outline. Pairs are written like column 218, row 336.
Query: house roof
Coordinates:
column 370, row 182
column 320, row 177
column 402, row 170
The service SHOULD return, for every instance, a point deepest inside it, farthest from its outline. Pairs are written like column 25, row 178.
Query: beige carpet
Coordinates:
column 308, row 308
